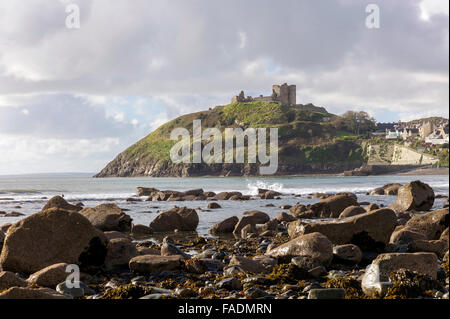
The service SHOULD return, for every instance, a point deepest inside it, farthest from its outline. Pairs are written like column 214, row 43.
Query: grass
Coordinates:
column 303, row 136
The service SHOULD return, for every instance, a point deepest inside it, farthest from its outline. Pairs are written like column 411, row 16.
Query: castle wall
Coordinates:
column 284, row 94
column 292, row 94
column 263, row 98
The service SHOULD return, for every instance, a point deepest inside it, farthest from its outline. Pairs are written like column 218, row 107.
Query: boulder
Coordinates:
column 32, row 293
column 430, row 224
column 284, row 217
column 145, row 191
column 377, row 191
column 423, row 263
column 327, row 293
column 257, row 216
column 388, row 189
column 213, row 205
column 230, row 284
column 119, row 253
column 415, row 196
column 9, row 279
column 253, row 217
column 405, row 235
column 337, row 203
column 147, row 264
column 225, row 226
column 267, row 262
column 305, row 263
column 50, row 237
column 140, row 230
column 168, row 248
column 72, row 290
column 193, row 192
column 444, row 235
column 59, row 202
column 392, row 189
column 50, row 276
column 313, row 245
column 297, row 210
column 142, row 250
column 369, row 231
column 247, row 230
column 4, row 228
column 115, row 235
column 226, row 195
column 271, row 225
column 347, row 254
column 439, row 247
column 200, row 266
column 269, row 194
column 372, row 207
column 107, row 217
column 182, row 219
column 352, row 211
column 247, row 264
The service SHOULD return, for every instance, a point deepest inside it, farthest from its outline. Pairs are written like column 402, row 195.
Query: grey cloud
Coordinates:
column 60, row 116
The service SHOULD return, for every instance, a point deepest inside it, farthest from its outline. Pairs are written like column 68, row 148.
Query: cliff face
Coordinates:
column 308, row 143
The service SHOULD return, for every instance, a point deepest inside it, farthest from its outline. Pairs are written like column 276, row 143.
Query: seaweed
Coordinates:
column 351, row 286
column 410, row 284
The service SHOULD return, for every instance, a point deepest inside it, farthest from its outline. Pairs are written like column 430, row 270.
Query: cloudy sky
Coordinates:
column 72, row 98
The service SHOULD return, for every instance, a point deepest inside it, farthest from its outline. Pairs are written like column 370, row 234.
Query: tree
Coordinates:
column 356, row 122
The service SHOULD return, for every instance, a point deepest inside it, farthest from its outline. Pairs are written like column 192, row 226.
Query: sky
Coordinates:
column 71, row 99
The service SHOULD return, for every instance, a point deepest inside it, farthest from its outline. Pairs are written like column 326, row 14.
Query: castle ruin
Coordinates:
column 284, row 94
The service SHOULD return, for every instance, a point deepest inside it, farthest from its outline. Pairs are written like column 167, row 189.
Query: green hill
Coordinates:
column 309, row 142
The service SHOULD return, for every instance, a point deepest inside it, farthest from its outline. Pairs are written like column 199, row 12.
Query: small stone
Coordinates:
column 185, row 292
column 349, row 253
column 327, row 293
column 232, row 270
column 213, row 205
column 255, row 293
column 230, row 284
column 76, row 291
column 317, row 272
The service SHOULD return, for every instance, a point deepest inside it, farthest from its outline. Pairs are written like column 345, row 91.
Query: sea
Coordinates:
column 27, row 194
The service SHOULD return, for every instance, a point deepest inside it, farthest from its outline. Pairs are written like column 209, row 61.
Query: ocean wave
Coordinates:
column 19, row 191
column 254, row 186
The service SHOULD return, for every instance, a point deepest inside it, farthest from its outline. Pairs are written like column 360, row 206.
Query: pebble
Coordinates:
column 230, row 284
column 74, row 292
column 255, row 293
column 327, row 293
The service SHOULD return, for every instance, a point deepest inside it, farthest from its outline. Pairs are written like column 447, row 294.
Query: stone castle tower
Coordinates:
column 284, row 94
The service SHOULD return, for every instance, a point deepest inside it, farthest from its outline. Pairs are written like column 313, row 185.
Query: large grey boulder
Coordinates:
column 422, row 263
column 314, row 245
column 50, row 237
column 415, row 196
column 50, row 276
column 59, row 202
column 119, row 253
column 9, row 279
column 431, row 224
column 369, row 231
column 108, row 217
column 225, row 226
column 182, row 219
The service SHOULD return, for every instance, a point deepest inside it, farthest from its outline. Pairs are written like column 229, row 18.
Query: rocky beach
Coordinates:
column 327, row 245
